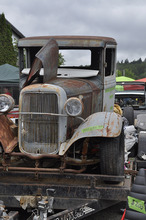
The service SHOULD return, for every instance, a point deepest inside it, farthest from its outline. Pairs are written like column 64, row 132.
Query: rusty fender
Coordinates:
column 8, row 134
column 100, row 124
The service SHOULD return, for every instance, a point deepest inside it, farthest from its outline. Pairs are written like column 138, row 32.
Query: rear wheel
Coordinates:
column 112, row 155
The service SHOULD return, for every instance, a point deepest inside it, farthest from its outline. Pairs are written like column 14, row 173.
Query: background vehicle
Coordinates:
column 132, row 99
column 66, row 121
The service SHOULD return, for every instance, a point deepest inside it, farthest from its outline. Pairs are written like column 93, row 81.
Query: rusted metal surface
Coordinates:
column 19, row 154
column 34, row 72
column 50, row 118
column 37, row 169
column 48, row 58
column 63, row 179
column 131, row 172
column 67, row 187
column 83, row 41
column 85, row 147
column 27, row 201
column 8, row 136
column 96, row 103
column 44, row 126
column 85, row 90
column 101, row 124
column 17, row 158
column 81, row 162
column 81, row 88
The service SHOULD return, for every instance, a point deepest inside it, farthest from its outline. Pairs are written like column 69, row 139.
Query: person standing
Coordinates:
column 6, row 91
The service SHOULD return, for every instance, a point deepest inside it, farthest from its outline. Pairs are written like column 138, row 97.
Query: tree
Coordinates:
column 129, row 73
column 7, row 53
column 61, row 59
column 126, row 61
column 118, row 73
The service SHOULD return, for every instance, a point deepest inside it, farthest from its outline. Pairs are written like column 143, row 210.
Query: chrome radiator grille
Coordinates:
column 39, row 131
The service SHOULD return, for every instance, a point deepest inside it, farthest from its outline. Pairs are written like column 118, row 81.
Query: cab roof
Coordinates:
column 67, row 41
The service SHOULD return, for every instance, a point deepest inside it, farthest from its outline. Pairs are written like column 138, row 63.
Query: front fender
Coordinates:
column 100, row 124
column 8, row 134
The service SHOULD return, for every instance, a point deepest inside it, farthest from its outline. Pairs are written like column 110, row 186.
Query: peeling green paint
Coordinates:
column 111, row 96
column 110, row 89
column 97, row 127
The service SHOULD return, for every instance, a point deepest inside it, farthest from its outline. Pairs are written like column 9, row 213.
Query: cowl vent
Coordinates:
column 47, row 57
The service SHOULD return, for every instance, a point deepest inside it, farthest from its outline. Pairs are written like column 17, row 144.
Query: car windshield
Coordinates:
column 131, row 94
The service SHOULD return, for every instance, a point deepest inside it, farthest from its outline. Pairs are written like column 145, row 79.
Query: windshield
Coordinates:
column 76, row 58
column 72, row 62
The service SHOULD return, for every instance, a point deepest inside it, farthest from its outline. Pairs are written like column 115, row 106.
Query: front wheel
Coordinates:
column 112, row 155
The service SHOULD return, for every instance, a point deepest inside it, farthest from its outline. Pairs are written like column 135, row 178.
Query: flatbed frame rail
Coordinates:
column 70, row 189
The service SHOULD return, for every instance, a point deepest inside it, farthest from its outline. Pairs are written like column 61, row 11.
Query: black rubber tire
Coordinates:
column 133, row 215
column 128, row 113
column 112, row 156
column 138, row 192
column 142, row 142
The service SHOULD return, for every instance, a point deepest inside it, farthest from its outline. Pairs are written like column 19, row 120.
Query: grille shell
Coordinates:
column 42, row 133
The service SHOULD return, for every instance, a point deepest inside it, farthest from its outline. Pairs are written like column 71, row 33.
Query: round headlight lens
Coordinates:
column 6, row 103
column 73, row 107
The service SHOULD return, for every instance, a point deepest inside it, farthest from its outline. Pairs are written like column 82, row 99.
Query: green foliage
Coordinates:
column 134, row 69
column 7, row 52
column 61, row 60
column 118, row 73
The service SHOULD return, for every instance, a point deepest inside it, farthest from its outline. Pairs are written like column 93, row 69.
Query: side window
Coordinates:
column 110, row 61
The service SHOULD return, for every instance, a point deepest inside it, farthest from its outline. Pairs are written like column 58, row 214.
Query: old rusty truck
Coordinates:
column 68, row 153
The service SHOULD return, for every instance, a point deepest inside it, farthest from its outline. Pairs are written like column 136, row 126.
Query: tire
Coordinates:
column 128, row 113
column 112, row 156
column 142, row 142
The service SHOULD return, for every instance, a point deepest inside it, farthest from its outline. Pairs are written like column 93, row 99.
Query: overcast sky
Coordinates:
column 124, row 20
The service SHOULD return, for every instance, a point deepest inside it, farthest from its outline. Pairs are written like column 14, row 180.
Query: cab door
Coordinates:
column 109, row 78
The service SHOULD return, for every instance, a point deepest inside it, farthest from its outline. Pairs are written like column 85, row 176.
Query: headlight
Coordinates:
column 73, row 107
column 6, row 103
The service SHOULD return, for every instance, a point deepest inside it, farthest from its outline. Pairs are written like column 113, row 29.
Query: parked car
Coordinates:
column 131, row 96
